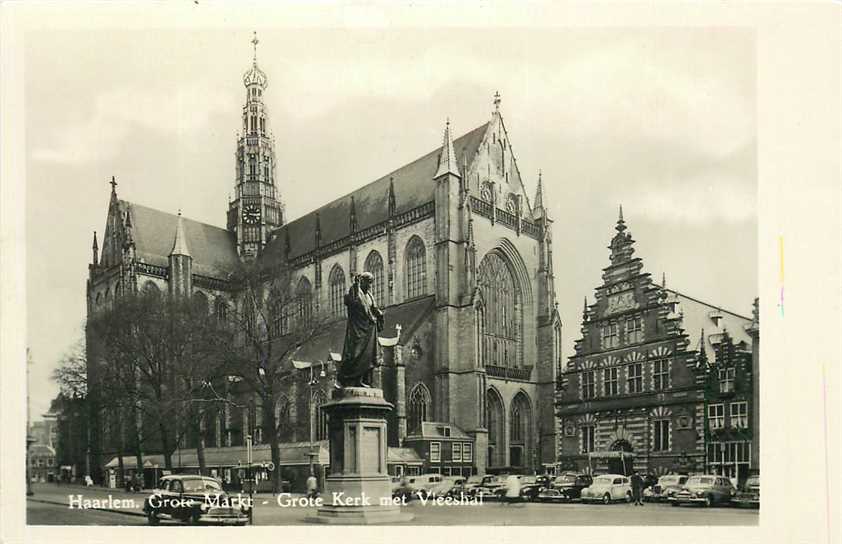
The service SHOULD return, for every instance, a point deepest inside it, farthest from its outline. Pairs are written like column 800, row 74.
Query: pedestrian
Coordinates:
column 312, row 486
column 512, row 489
column 88, row 481
column 637, row 488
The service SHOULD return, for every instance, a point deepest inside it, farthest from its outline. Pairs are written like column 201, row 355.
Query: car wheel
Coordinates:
column 606, row 499
column 708, row 501
column 629, row 497
column 152, row 518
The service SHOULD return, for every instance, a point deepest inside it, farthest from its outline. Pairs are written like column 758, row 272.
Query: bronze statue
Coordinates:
column 365, row 320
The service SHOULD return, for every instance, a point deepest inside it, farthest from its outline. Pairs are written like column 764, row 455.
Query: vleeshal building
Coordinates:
column 660, row 381
column 461, row 253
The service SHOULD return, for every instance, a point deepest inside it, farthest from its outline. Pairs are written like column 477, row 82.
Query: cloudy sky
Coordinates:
column 660, row 121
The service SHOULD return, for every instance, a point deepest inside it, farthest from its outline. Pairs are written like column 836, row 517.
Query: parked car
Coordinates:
column 446, row 487
column 530, row 486
column 667, row 486
column 421, row 484
column 196, row 500
column 750, row 494
column 489, row 486
column 649, row 480
column 472, row 483
column 571, row 484
column 401, row 489
column 608, row 488
column 707, row 490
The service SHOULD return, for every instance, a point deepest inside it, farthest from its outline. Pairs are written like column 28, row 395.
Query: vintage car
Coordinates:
column 667, row 486
column 401, row 489
column 531, row 486
column 472, row 483
column 706, row 490
column 607, row 488
column 570, row 484
column 196, row 500
column 489, row 486
column 750, row 494
column 448, row 486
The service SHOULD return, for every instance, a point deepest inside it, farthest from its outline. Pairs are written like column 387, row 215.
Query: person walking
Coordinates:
column 312, row 487
column 637, row 488
column 512, row 489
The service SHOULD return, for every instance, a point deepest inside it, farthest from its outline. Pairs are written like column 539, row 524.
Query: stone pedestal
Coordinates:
column 358, row 489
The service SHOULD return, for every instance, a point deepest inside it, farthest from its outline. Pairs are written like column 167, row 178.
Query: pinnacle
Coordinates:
column 447, row 158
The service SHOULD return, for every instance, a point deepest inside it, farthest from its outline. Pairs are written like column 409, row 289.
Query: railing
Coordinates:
column 506, row 218
column 530, row 229
column 152, row 270
column 509, row 373
column 480, row 207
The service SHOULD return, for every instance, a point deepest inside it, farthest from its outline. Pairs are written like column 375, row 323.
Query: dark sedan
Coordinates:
column 196, row 500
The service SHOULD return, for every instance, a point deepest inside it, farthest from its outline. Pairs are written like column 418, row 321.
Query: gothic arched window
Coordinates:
column 501, row 333
column 374, row 264
column 418, row 409
column 416, row 268
column 221, row 309
column 278, row 315
column 337, row 291
column 304, row 302
column 318, row 418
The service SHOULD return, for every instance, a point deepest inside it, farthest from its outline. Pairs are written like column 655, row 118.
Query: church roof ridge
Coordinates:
column 213, row 248
column 413, row 187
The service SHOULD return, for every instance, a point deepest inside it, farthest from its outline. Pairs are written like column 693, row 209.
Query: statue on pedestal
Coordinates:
column 365, row 320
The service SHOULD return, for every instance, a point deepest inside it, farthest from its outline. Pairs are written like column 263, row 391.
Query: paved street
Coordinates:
column 267, row 512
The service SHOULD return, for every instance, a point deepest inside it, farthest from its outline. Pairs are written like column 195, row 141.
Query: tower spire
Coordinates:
column 254, row 42
column 113, row 184
column 497, row 101
column 447, row 157
column 539, row 194
column 179, row 246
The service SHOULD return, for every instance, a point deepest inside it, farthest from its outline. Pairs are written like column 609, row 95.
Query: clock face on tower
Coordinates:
column 251, row 214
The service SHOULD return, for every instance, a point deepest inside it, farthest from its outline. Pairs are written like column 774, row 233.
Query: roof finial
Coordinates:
column 254, row 42
column 621, row 214
column 539, row 193
column 447, row 158
column 664, row 280
column 497, row 101
column 113, row 184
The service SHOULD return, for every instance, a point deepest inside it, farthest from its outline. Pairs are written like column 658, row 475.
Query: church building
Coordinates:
column 461, row 254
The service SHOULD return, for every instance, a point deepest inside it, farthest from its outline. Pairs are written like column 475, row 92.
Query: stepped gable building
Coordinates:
column 634, row 395
column 462, row 261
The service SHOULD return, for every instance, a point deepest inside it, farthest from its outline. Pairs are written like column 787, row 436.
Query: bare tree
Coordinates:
column 272, row 320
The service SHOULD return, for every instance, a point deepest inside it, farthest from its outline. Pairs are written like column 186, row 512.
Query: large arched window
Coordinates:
column 494, row 417
column 416, row 268
column 278, row 315
column 149, row 288
column 304, row 302
column 318, row 418
column 419, row 407
column 221, row 309
column 374, row 264
column 336, row 282
column 501, row 331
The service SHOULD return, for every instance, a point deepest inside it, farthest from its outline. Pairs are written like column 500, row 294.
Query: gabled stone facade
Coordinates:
column 635, row 385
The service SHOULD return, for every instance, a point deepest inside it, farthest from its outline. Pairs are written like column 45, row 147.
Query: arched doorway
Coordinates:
column 520, row 432
column 496, row 428
column 621, row 463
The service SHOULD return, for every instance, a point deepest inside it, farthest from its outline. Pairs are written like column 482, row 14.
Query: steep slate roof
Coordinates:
column 413, row 187
column 213, row 249
column 697, row 316
column 430, row 429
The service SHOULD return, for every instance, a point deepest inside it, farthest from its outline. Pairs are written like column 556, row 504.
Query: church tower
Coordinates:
column 256, row 209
